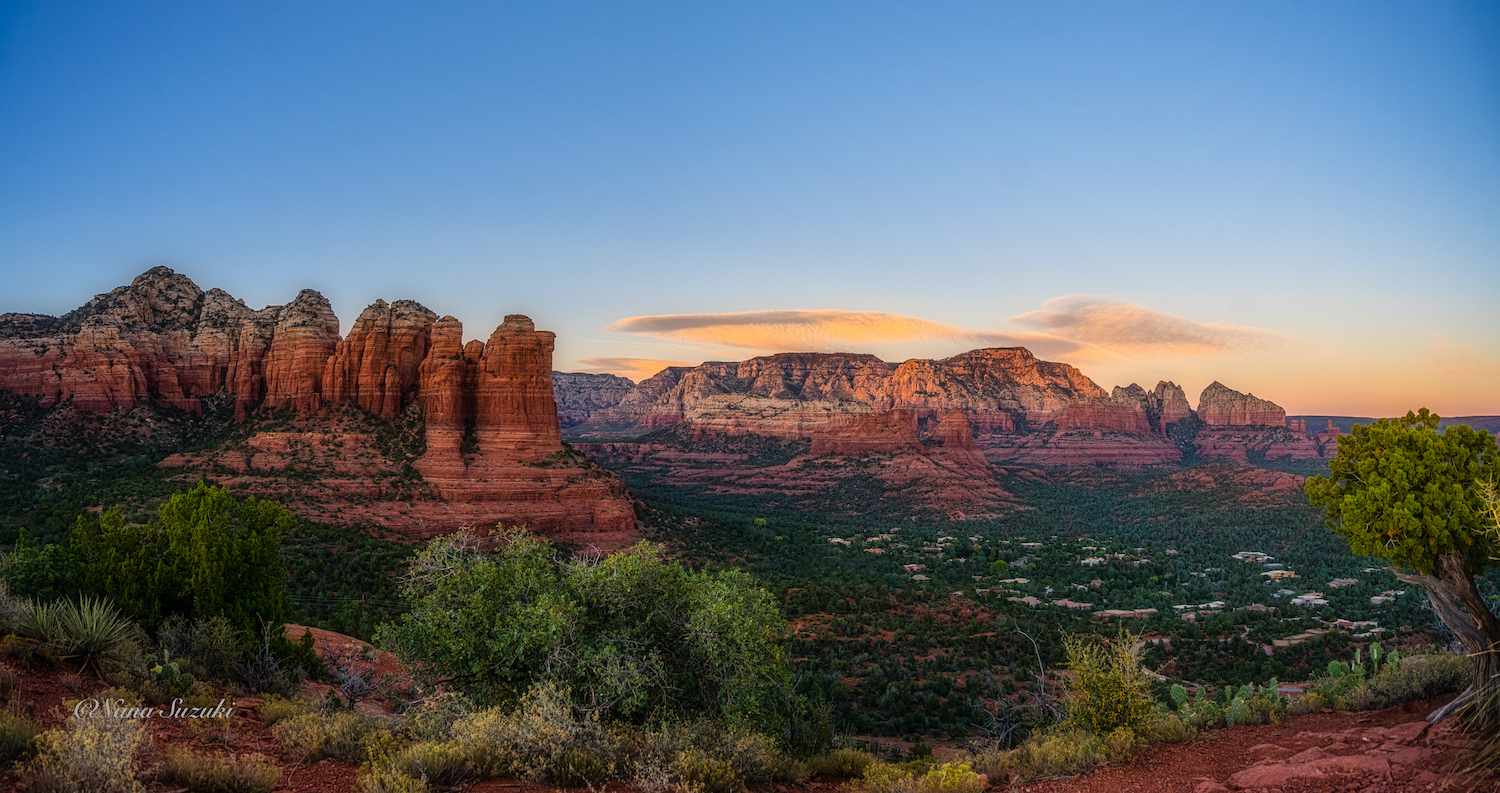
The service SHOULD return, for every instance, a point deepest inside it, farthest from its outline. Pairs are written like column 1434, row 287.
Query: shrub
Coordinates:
column 17, row 735
column 1108, row 689
column 755, row 757
column 579, row 769
column 1412, row 678
column 1167, row 728
column 945, row 778
column 204, row 773
column 701, row 642
column 1049, row 753
column 384, row 778
column 314, row 736
column 439, row 763
column 527, row 740
column 277, row 708
column 701, row 772
column 840, row 764
column 1399, row 680
column 432, row 719
column 89, row 755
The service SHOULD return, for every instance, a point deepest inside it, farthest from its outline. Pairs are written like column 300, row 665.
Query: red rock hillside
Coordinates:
column 491, row 431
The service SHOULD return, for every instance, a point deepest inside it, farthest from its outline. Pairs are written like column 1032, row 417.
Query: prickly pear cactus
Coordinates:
column 1179, row 695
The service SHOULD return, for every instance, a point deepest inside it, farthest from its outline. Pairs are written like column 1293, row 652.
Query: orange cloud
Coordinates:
column 822, row 330
column 1074, row 326
column 636, row 369
column 1128, row 328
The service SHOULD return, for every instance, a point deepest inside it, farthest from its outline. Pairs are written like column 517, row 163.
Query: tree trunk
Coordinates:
column 1456, row 600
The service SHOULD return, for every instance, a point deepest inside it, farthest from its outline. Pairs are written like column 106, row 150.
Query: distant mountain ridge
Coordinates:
column 1016, row 408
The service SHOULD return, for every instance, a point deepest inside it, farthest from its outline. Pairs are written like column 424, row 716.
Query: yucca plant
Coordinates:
column 40, row 621
column 92, row 630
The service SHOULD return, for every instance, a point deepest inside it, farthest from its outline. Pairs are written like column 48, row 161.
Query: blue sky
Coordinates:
column 1298, row 199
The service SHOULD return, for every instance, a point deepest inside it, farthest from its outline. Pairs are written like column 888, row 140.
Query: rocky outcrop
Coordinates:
column 305, row 336
column 1221, row 406
column 377, row 365
column 1167, row 404
column 491, row 423
column 580, row 395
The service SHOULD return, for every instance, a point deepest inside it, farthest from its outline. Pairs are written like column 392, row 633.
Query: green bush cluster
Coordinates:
column 1384, row 682
column 545, row 738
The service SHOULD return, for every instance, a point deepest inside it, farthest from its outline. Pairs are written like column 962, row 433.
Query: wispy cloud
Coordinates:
column 821, row 330
column 1132, row 329
column 636, row 369
column 1074, row 325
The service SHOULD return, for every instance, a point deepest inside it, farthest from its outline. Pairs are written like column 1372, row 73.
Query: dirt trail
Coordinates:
column 1383, row 751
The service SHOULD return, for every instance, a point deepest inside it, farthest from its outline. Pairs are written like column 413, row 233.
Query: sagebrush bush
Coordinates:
column 17, row 735
column 88, row 755
column 204, row 773
column 945, row 778
column 341, row 736
column 443, row 764
column 701, row 772
column 528, row 739
column 1400, row 679
column 840, row 764
column 432, row 719
column 1049, row 753
column 382, row 777
column 277, row 708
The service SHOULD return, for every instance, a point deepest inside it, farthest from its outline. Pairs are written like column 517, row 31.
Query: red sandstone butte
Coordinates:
column 1221, row 406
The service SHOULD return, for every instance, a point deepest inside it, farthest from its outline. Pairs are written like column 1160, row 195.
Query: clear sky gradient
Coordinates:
column 1298, row 199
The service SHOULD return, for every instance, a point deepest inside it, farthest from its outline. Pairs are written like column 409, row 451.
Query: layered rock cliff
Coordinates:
column 580, row 395
column 491, row 429
column 1016, row 409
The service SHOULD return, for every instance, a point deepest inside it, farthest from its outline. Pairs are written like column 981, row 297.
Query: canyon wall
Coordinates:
column 490, row 419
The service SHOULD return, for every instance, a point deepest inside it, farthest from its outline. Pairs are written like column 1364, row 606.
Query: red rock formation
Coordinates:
column 162, row 339
column 1168, row 404
column 1105, row 414
column 1221, row 406
column 305, row 336
column 513, row 404
column 376, row 365
column 496, row 399
column 159, row 336
column 887, row 431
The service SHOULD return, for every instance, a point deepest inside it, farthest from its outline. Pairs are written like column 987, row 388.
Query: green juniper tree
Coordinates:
column 1402, row 490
